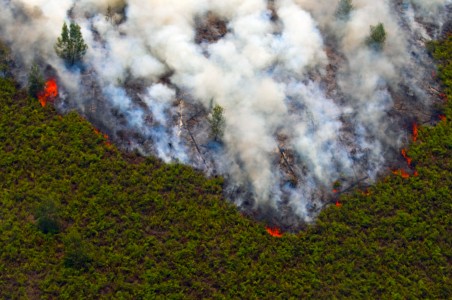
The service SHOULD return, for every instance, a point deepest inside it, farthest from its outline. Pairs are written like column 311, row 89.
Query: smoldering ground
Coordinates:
column 308, row 106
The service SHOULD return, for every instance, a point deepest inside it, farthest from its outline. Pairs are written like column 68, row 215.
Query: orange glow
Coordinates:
column 407, row 158
column 275, row 232
column 335, row 191
column 443, row 118
column 365, row 193
column 49, row 93
column 416, row 174
column 338, row 204
column 401, row 173
column 415, row 132
column 104, row 135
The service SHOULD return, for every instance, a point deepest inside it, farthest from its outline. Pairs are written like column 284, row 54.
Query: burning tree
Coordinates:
column 70, row 46
column 49, row 93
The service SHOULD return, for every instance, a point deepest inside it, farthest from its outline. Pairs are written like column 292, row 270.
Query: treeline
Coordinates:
column 80, row 219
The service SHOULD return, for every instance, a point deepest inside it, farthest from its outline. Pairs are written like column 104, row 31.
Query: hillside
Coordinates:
column 80, row 219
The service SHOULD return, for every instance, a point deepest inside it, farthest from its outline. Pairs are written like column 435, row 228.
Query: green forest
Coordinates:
column 80, row 219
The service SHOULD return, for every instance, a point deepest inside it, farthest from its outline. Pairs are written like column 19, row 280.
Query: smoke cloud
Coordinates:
column 307, row 104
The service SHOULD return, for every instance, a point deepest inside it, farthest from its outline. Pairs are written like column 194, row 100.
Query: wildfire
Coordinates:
column 338, row 204
column 275, row 232
column 401, row 173
column 443, row 118
column 407, row 158
column 105, row 136
column 49, row 93
column 415, row 132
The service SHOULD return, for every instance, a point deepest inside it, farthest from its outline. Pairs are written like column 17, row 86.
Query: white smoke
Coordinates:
column 269, row 71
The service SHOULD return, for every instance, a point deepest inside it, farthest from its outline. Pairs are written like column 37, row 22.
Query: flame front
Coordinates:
column 407, row 158
column 415, row 132
column 49, row 93
column 274, row 232
column 402, row 173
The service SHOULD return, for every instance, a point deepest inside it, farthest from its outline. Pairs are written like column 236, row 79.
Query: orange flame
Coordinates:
column 338, row 204
column 443, row 118
column 415, row 132
column 275, row 232
column 49, row 93
column 104, row 135
column 407, row 158
column 401, row 173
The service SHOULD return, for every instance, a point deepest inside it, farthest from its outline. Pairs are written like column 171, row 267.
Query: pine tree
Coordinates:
column 377, row 37
column 70, row 46
column 35, row 81
column 343, row 10
column 217, row 122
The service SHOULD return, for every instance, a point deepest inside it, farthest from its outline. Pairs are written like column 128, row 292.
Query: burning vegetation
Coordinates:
column 306, row 97
column 49, row 93
column 274, row 231
column 146, row 229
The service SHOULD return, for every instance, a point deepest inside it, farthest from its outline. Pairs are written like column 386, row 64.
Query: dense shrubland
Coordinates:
column 80, row 219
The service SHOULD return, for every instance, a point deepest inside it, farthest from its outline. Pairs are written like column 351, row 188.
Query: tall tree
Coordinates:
column 35, row 81
column 70, row 46
column 217, row 122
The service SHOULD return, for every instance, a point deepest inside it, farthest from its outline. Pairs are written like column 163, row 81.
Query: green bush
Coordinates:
column 48, row 218
column 76, row 253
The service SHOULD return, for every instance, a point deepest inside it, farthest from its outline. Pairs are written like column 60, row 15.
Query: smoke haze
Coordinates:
column 307, row 104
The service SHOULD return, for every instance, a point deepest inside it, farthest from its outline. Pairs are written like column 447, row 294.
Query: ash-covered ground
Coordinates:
column 309, row 106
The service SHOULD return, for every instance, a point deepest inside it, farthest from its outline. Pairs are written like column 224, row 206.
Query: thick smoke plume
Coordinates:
column 308, row 106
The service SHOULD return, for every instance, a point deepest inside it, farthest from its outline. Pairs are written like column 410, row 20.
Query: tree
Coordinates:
column 217, row 122
column 76, row 252
column 70, row 46
column 48, row 217
column 35, row 81
column 343, row 9
column 5, row 61
column 377, row 37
